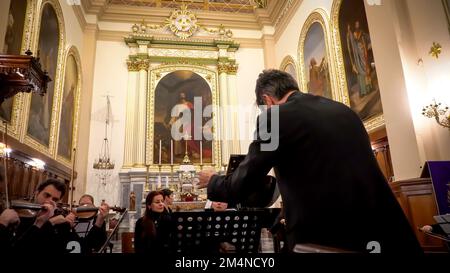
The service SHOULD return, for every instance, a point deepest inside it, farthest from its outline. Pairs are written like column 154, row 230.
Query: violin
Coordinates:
column 84, row 212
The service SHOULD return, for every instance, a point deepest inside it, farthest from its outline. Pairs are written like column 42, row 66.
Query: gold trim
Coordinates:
column 29, row 140
column 138, row 65
column 210, row 77
column 317, row 16
column 372, row 123
column 227, row 67
column 72, row 51
column 289, row 60
column 14, row 126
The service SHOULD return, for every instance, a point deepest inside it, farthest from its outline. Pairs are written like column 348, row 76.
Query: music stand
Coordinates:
column 196, row 231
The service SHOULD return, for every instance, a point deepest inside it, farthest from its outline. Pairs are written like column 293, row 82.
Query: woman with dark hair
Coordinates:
column 153, row 230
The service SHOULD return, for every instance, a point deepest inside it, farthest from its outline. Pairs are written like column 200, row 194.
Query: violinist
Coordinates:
column 95, row 229
column 45, row 231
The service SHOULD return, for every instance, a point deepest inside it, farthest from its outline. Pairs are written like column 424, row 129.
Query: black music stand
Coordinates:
column 196, row 232
column 443, row 221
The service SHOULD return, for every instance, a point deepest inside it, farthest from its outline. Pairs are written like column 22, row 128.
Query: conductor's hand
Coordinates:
column 204, row 177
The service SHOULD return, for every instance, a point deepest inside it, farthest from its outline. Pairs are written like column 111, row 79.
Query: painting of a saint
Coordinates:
column 67, row 108
column 175, row 95
column 360, row 71
column 316, row 63
column 41, row 106
column 13, row 43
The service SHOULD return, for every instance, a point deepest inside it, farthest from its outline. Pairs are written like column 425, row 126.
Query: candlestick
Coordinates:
column 167, row 182
column 159, row 152
column 159, row 182
column 171, row 152
column 201, row 152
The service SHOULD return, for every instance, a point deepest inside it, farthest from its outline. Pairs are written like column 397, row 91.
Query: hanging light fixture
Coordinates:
column 103, row 164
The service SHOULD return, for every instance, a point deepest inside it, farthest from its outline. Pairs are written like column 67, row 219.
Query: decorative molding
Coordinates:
column 282, row 24
column 80, row 15
column 289, row 60
column 227, row 67
column 137, row 65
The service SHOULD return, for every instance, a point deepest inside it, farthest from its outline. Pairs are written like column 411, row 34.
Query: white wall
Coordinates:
column 251, row 63
column 110, row 76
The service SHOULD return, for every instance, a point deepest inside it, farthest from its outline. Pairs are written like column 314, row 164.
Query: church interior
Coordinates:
column 89, row 89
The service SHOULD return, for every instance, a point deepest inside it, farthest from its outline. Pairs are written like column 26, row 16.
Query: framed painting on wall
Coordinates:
column 288, row 65
column 175, row 93
column 314, row 57
column 40, row 115
column 68, row 107
column 358, row 60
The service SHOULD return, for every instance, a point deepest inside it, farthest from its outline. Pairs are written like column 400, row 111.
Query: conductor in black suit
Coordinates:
column 332, row 188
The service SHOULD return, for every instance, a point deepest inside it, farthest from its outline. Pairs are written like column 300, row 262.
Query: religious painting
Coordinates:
column 13, row 44
column 359, row 64
column 67, row 108
column 316, row 68
column 41, row 106
column 177, row 93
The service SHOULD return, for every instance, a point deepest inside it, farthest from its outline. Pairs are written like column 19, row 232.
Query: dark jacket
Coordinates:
column 158, row 243
column 333, row 191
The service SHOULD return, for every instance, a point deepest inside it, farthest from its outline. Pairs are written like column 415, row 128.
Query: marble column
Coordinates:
column 224, row 123
column 132, row 94
column 234, row 143
column 141, row 115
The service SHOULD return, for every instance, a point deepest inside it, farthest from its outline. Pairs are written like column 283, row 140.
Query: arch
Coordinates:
column 289, row 60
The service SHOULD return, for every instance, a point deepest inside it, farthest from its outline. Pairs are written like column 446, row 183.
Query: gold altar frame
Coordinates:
column 155, row 76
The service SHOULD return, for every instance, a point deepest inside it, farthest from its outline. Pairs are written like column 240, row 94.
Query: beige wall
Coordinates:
column 398, row 42
column 4, row 11
column 251, row 63
column 110, row 75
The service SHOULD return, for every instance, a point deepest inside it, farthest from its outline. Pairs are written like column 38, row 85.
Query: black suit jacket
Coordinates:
column 333, row 191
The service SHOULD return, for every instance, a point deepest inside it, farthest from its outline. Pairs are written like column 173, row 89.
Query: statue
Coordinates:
column 132, row 205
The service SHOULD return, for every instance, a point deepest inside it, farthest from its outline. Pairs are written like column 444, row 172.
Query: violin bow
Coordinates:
column 72, row 178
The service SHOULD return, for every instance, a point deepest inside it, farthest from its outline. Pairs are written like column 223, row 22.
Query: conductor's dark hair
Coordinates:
column 59, row 185
column 275, row 83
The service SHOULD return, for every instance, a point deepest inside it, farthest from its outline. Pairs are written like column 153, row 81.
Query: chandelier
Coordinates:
column 103, row 164
column 440, row 113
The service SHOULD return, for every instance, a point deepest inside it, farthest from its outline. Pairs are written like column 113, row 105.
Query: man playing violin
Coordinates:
column 96, row 235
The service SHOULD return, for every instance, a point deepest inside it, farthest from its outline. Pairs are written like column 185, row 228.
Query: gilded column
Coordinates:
column 141, row 115
column 132, row 93
column 224, row 124
column 234, row 144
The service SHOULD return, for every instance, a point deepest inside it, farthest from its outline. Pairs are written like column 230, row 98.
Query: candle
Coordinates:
column 171, row 152
column 201, row 152
column 159, row 182
column 167, row 182
column 160, row 152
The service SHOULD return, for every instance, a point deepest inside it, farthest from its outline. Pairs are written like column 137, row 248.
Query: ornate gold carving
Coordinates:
column 317, row 16
column 183, row 53
column 29, row 140
column 227, row 67
column 435, row 50
column 138, row 65
column 370, row 124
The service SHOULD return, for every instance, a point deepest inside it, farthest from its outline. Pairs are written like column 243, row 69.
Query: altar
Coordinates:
column 188, row 206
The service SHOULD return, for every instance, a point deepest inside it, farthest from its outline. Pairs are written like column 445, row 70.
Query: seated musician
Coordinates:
column 46, row 231
column 94, row 230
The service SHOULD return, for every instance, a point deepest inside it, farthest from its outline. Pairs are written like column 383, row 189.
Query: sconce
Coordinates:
column 440, row 113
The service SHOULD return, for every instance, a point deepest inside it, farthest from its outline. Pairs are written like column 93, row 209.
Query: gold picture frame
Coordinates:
column 155, row 76
column 373, row 123
column 72, row 51
column 289, row 60
column 54, row 121
column 318, row 16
